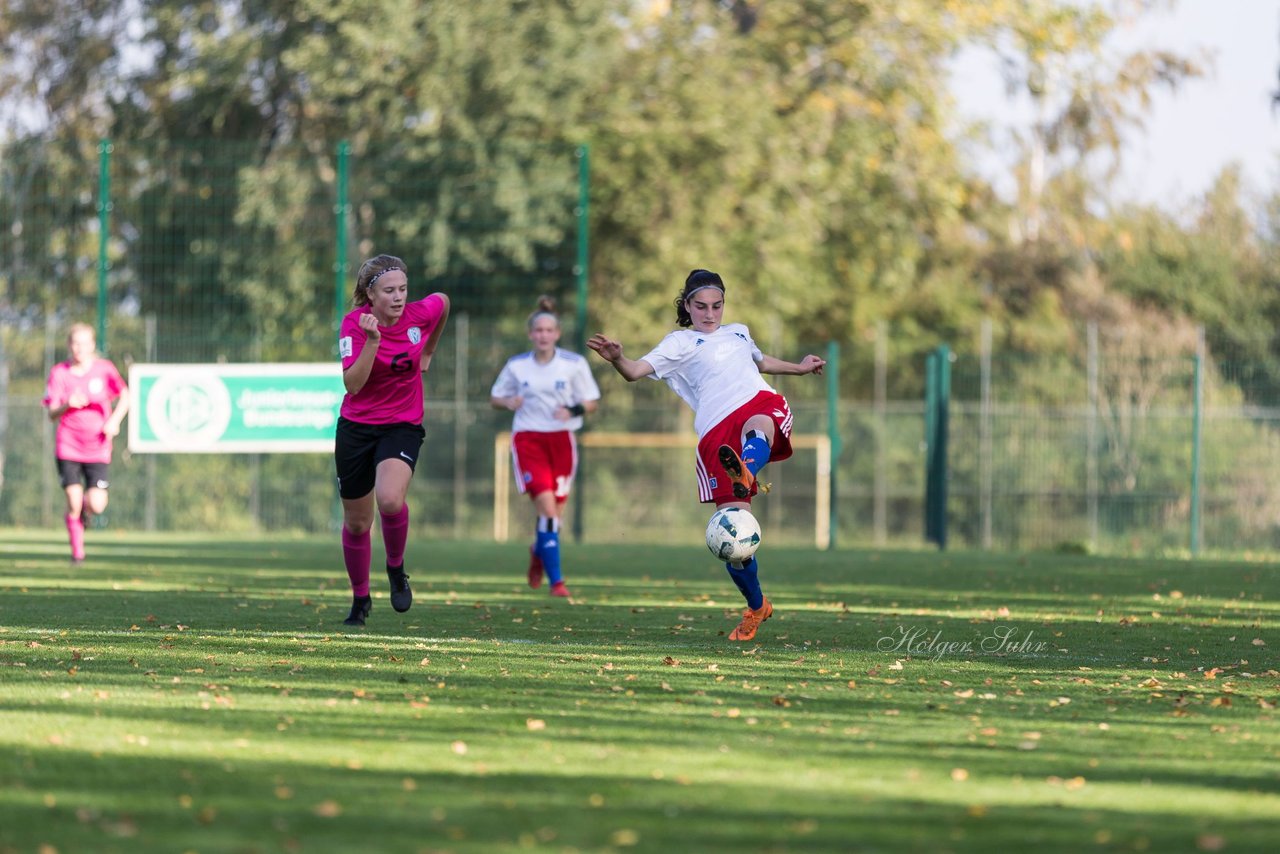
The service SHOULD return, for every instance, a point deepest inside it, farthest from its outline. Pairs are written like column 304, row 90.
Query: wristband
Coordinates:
column 577, row 410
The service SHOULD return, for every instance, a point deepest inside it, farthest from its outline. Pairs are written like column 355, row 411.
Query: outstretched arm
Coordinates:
column 810, row 364
column 611, row 352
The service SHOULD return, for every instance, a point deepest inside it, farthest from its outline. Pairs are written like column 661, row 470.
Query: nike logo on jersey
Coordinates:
column 406, row 456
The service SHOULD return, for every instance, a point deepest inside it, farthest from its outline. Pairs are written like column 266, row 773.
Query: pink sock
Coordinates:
column 356, row 553
column 395, row 531
column 75, row 532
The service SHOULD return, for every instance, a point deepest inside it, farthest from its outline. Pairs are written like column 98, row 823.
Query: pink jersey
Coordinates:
column 393, row 392
column 80, row 437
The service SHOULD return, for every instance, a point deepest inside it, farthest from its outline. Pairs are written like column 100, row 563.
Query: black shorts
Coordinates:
column 358, row 448
column 91, row 475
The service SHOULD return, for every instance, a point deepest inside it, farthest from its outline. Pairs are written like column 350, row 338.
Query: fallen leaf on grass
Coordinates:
column 535, row 725
column 624, row 838
column 328, row 809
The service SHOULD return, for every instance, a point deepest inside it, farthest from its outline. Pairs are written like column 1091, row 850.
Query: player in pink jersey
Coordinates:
column 742, row 422
column 386, row 345
column 549, row 390
column 80, row 396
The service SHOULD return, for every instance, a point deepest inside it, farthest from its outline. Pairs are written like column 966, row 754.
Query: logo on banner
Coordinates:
column 189, row 409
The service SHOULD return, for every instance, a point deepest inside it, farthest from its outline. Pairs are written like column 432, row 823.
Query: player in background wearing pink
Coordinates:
column 549, row 390
column 386, row 345
column 79, row 396
column 742, row 422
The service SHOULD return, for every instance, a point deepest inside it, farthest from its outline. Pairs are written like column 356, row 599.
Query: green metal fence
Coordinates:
column 191, row 252
column 1113, row 455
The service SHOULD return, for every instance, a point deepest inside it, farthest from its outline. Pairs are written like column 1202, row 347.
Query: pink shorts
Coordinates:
column 713, row 485
column 544, row 462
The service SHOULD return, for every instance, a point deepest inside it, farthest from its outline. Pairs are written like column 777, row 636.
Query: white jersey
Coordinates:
column 563, row 381
column 714, row 373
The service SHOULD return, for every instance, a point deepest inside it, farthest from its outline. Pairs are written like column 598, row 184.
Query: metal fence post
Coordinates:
column 937, row 403
column 580, row 334
column 832, row 371
column 104, row 223
column 1197, row 420
column 340, row 238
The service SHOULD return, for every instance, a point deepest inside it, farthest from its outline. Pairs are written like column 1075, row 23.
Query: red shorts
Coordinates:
column 544, row 462
column 712, row 483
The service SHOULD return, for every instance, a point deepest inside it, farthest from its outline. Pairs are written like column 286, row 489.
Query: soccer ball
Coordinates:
column 733, row 534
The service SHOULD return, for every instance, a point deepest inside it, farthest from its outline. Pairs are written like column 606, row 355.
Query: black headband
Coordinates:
column 382, row 273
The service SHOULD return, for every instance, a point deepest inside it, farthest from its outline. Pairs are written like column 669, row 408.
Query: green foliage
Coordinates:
column 806, row 149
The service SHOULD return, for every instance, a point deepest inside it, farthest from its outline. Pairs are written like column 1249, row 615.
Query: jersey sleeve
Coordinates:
column 351, row 339
column 115, row 383
column 55, row 393
column 665, row 357
column 584, row 384
column 427, row 312
column 505, row 385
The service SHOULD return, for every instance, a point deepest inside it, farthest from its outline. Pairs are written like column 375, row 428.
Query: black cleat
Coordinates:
column 360, row 606
column 738, row 473
column 401, row 595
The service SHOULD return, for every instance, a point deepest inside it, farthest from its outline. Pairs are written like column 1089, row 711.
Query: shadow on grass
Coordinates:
column 122, row 803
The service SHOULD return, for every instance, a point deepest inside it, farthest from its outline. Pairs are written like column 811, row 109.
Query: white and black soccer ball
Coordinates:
column 733, row 534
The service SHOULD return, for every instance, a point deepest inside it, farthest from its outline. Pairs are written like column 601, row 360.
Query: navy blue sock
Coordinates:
column 748, row 581
column 755, row 452
column 548, row 547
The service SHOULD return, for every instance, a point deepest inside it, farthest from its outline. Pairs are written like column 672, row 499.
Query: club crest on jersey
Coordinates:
column 415, row 335
column 561, row 385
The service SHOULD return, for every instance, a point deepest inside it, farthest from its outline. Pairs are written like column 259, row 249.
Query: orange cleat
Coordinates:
column 751, row 620
column 739, row 474
column 535, row 569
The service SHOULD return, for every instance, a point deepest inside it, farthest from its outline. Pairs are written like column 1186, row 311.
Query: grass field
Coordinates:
column 201, row 694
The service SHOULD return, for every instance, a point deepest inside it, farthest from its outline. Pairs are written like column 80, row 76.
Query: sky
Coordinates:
column 1190, row 134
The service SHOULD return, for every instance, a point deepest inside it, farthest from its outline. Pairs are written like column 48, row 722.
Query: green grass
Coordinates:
column 201, row 694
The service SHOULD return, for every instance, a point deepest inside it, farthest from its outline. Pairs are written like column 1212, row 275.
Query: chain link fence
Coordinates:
column 192, row 252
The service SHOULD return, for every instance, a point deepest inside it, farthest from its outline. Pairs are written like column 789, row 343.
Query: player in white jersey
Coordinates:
column 549, row 390
column 742, row 422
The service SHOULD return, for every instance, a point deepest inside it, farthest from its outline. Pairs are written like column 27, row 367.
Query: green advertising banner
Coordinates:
column 253, row 408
